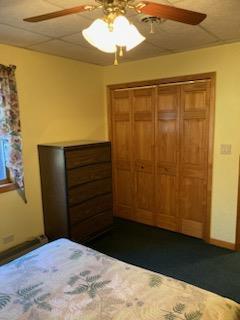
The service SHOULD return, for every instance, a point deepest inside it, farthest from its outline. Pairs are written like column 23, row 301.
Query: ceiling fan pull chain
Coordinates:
column 121, row 52
column 152, row 31
column 116, row 59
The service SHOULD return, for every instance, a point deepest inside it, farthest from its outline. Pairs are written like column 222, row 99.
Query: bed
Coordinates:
column 65, row 280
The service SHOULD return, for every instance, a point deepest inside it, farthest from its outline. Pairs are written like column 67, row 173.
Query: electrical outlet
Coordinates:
column 8, row 238
column 226, row 149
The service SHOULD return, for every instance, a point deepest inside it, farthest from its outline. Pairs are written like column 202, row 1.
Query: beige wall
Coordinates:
column 225, row 61
column 60, row 99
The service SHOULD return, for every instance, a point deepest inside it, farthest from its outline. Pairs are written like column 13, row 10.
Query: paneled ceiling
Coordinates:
column 63, row 37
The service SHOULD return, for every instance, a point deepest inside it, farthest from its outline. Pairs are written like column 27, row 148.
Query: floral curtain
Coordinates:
column 10, row 126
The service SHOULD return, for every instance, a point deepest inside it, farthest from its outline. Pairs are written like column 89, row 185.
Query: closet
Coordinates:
column 162, row 153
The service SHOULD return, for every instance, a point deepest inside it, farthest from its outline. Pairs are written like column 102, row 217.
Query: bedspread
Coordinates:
column 65, row 280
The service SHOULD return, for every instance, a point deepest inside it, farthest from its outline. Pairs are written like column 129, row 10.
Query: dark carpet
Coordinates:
column 175, row 255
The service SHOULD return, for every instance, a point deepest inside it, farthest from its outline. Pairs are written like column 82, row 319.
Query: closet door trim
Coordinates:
column 238, row 213
column 174, row 81
column 156, row 82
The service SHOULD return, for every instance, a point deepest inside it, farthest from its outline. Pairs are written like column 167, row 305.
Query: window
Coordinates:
column 5, row 182
column 4, row 177
column 3, row 171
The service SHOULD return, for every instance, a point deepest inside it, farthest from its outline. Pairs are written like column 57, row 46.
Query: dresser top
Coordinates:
column 70, row 144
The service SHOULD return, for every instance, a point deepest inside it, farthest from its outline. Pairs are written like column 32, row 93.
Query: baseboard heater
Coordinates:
column 19, row 250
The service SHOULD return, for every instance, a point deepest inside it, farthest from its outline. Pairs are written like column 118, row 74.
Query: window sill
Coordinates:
column 7, row 187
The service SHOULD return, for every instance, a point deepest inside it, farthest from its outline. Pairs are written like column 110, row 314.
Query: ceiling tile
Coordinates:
column 61, row 48
column 77, row 38
column 70, row 3
column 222, row 16
column 18, row 37
column 144, row 50
column 14, row 14
column 92, row 15
column 174, row 35
column 99, row 58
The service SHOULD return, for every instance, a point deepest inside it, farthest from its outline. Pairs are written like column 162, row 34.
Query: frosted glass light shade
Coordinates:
column 120, row 30
column 99, row 36
column 133, row 38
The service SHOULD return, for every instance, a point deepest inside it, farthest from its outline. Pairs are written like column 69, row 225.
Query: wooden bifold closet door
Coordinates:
column 167, row 157
column 160, row 146
column 143, row 154
column 193, row 171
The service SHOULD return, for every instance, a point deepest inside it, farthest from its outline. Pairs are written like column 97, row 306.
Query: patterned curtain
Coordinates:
column 10, row 126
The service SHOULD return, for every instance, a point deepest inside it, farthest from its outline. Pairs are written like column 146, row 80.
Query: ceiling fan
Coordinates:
column 114, row 32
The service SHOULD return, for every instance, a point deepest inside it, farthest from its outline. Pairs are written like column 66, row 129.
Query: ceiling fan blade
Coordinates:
column 171, row 13
column 60, row 13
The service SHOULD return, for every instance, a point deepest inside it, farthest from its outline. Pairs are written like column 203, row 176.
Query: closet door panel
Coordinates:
column 124, row 192
column 194, row 141
column 166, row 201
column 144, row 197
column 143, row 139
column 122, row 154
column 194, row 157
column 167, row 139
column 193, row 206
column 195, row 96
column 143, row 154
column 122, row 133
column 167, row 145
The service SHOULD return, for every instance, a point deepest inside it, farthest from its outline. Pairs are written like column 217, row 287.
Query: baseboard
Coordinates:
column 223, row 244
column 21, row 249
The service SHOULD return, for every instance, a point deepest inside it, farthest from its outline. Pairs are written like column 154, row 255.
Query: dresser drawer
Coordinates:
column 90, row 208
column 89, row 173
column 90, row 227
column 89, row 190
column 85, row 156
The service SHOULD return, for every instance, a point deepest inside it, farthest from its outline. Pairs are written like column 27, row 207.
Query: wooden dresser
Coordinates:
column 76, row 189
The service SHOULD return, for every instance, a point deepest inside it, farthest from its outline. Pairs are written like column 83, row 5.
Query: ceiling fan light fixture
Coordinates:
column 114, row 33
column 121, row 34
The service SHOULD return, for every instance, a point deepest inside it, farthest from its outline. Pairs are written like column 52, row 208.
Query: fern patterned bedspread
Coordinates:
column 67, row 281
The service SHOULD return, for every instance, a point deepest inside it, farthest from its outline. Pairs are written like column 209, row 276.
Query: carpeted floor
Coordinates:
column 184, row 258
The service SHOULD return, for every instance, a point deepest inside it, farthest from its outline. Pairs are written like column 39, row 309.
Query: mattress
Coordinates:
column 65, row 280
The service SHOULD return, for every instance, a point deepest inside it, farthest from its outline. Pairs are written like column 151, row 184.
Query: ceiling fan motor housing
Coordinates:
column 116, row 7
